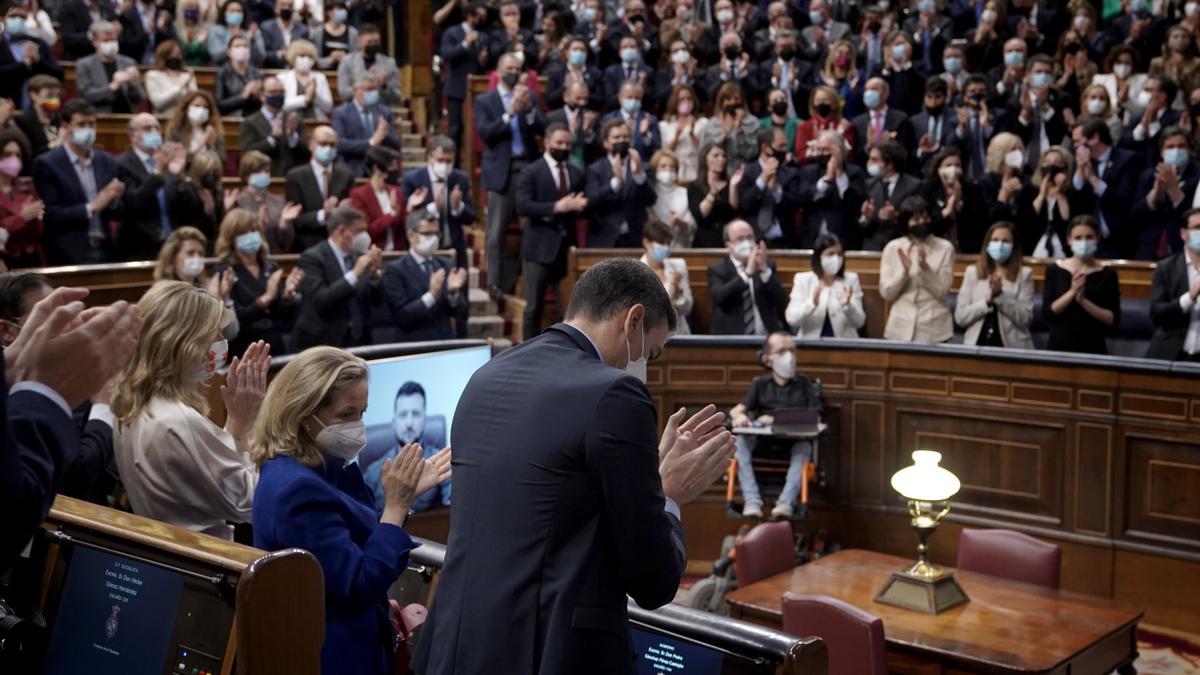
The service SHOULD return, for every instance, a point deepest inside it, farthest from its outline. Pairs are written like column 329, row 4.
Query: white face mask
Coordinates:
column 831, row 264
column 426, row 245
column 213, row 360
column 1015, row 159
column 304, row 63
column 1191, row 8
column 636, row 367
column 361, row 243
column 949, row 174
column 1143, row 99
column 1122, row 70
column 743, row 249
column 192, row 267
column 666, row 177
column 441, row 169
column 197, row 114
column 343, row 440
column 725, row 16
column 784, row 365
column 1095, row 106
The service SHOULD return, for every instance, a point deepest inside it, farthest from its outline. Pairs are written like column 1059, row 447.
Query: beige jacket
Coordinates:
column 1014, row 307
column 919, row 312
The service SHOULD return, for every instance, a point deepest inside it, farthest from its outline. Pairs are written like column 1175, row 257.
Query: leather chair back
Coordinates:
column 1011, row 555
column 765, row 551
column 854, row 638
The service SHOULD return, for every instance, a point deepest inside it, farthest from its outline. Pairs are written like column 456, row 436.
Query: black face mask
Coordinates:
column 636, row 18
column 823, row 109
column 371, row 50
column 285, row 14
column 174, row 63
column 935, row 110
column 510, row 79
column 275, row 101
column 732, row 53
column 919, row 230
column 779, row 108
column 874, row 26
column 560, row 154
column 732, row 109
column 779, row 155
column 787, row 53
column 620, row 149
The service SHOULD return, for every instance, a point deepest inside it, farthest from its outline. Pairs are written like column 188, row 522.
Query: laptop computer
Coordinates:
column 796, row 420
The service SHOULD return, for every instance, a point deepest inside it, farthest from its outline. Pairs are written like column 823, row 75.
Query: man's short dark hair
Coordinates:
column 368, row 29
column 1096, row 128
column 410, row 388
column 555, row 127
column 1187, row 215
column 342, row 216
column 609, row 126
column 1040, row 58
column 977, row 78
column 77, row 106
column 1167, row 87
column 893, row 153
column 766, row 136
column 13, row 287
column 616, row 284
column 934, row 84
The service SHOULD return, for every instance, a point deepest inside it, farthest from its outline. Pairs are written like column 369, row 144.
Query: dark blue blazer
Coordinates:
column 751, row 199
column 329, row 512
column 330, row 303
column 497, row 137
column 404, row 282
column 14, row 74
column 556, row 85
column 65, row 239
column 38, row 441
column 552, row 524
column 354, row 139
column 608, row 209
column 419, row 178
column 272, row 32
column 1152, row 222
column 547, row 234
column 1121, row 174
column 839, row 212
column 614, row 77
column 460, row 61
column 646, row 144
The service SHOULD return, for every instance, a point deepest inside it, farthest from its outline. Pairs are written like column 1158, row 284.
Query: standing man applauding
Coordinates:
column 554, row 525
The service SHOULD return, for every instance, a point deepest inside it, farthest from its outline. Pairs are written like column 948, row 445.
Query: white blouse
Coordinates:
column 293, row 97
column 672, row 201
column 807, row 318
column 687, row 150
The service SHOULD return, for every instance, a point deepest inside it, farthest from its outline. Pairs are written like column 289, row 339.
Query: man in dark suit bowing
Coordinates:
column 149, row 170
column 550, row 198
column 341, row 282
column 507, row 119
column 1175, row 298
column 618, row 192
column 318, row 186
column 748, row 298
column 422, row 290
column 273, row 132
column 769, row 194
column 362, row 123
column 447, row 196
column 553, row 526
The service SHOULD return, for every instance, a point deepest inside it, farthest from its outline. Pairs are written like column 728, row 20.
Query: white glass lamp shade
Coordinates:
column 925, row 481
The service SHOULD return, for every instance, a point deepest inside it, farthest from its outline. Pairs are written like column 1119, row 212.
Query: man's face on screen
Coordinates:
column 409, row 419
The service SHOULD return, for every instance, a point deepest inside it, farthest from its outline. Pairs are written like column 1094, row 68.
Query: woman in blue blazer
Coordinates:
column 310, row 497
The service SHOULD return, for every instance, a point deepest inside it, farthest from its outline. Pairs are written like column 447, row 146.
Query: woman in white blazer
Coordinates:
column 826, row 302
column 995, row 303
column 177, row 465
column 656, row 242
column 305, row 90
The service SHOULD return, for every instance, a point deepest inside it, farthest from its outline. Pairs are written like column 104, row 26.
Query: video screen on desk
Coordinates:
column 116, row 616
column 658, row 654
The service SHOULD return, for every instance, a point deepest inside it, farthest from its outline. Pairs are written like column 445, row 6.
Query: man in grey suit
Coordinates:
column 110, row 81
column 554, row 525
column 363, row 123
column 273, row 132
column 370, row 57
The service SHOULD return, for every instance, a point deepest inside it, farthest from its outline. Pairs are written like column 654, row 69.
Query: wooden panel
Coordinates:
column 1164, row 489
column 1095, row 401
column 869, row 381
column 1037, row 394
column 970, row 387
column 1161, row 407
column 866, row 451
column 1166, row 588
column 1093, row 466
column 913, row 383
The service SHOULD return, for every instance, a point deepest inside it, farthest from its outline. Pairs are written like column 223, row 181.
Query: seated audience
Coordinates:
column 1050, row 211
column 713, row 197
column 732, row 126
column 108, row 80
column 1081, row 297
column 277, row 217
column 310, row 496
column 279, row 33
column 264, row 298
column 306, row 91
column 177, row 466
column 671, row 200
column 21, row 211
column 150, row 170
column 915, row 274
column 334, row 39
column 887, row 188
column 618, row 191
column 274, row 132
column 680, row 129
column 769, row 193
column 828, row 301
column 233, row 23
column 782, row 388
column 995, row 301
column 239, row 82
column 369, row 55
column 168, row 80
column 318, row 187
column 341, row 282
column 1173, row 293
column 40, row 120
column 422, row 290
column 381, row 202
column 747, row 296
column 447, row 193
column 363, row 123
column 656, row 246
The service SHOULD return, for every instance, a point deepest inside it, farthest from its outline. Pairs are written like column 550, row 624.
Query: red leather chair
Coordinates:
column 1011, row 555
column 765, row 551
column 854, row 637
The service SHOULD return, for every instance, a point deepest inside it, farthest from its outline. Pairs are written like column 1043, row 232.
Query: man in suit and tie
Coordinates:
column 447, row 196
column 318, row 187
column 110, row 81
column 550, row 198
column 1174, row 294
column 1103, row 186
column 75, row 18
column 822, row 31
column 617, row 191
column 886, row 189
column 832, row 192
column 507, row 119
column 734, row 66
column 631, row 68
column 787, row 72
column 464, row 52
column 273, row 132
column 581, row 122
column 509, row 36
column 422, row 290
column 587, row 507
column 932, row 129
column 748, row 298
column 279, row 32
column 880, row 122
column 770, row 192
column 39, row 121
column 643, row 126
column 370, row 56
column 82, row 193
column 1142, row 135
column 1166, row 190
column 363, row 123
column 341, row 282
column 149, row 170
column 22, row 57
column 144, row 26
column 1038, row 117
column 635, row 24
column 576, row 70
column 976, row 122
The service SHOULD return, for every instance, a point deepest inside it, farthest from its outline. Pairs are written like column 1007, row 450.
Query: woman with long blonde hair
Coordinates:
column 311, row 496
column 178, row 466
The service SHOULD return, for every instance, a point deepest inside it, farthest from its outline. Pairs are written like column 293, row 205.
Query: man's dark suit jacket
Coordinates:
column 327, row 311
column 303, row 188
column 1148, row 147
column 92, row 474
column 728, row 289
column 134, row 39
column 584, row 146
column 354, row 140
column 66, row 235
column 253, row 135
column 73, row 23
column 547, row 234
column 38, row 442
column 918, row 126
column 14, row 74
column 553, row 525
column 461, row 61
column 839, row 212
column 419, row 178
column 1120, row 178
column 614, row 77
column 31, row 126
column 1151, row 223
column 556, row 86
column 1169, row 283
column 876, row 232
column 273, row 41
column 608, row 209
column 752, row 200
column 646, row 144
column 759, row 83
column 404, row 282
column 893, row 120
column 139, row 233
column 497, row 137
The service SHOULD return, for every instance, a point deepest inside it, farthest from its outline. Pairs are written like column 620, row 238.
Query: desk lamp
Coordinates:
column 923, row 586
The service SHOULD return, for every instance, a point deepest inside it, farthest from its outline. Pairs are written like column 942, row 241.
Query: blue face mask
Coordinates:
column 925, row 6
column 325, row 154
column 629, row 55
column 249, row 243
column 1176, row 157
column 1193, row 240
column 1013, row 58
column 871, row 98
column 1084, row 248
column 261, row 180
column 578, row 58
column 1042, row 79
column 151, row 140
column 233, row 19
column 371, row 97
column 999, row 250
column 952, row 64
column 588, row 15
column 659, row 252
column 14, row 25
column 83, row 136
column 340, row 15
column 899, row 53
column 1137, row 5
column 631, row 105
column 815, row 18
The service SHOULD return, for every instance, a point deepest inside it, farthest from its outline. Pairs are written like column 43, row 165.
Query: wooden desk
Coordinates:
column 1007, row 627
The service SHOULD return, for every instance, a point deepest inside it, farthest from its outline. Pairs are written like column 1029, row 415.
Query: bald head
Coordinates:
column 143, row 127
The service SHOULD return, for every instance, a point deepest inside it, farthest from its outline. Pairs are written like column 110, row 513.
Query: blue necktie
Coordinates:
column 518, row 143
column 161, row 195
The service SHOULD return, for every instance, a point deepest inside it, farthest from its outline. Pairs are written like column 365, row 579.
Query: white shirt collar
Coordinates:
column 341, row 255
column 421, row 260
column 319, row 168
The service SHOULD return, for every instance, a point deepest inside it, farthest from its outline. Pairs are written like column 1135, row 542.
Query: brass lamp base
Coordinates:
column 923, row 588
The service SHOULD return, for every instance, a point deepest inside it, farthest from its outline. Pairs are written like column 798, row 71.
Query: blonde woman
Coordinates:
column 196, row 124
column 305, row 90
column 1006, row 190
column 310, row 497
column 671, row 203
column 1095, row 104
column 841, row 75
column 181, row 258
column 995, row 301
column 177, row 465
